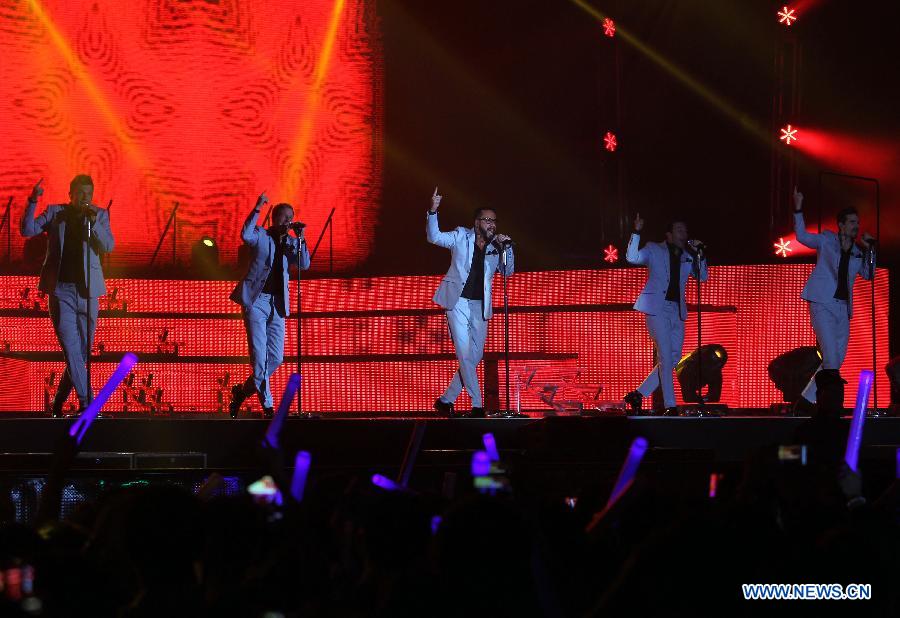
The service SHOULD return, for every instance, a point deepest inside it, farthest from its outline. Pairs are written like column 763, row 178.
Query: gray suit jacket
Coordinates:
column 655, row 255
column 53, row 222
column 250, row 287
column 461, row 243
column 823, row 281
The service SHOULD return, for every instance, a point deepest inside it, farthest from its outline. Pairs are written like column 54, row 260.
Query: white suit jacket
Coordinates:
column 655, row 256
column 461, row 243
column 823, row 281
column 248, row 290
column 53, row 222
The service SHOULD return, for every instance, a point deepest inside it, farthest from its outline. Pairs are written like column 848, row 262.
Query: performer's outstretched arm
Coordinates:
column 634, row 255
column 250, row 232
column 29, row 225
column 803, row 237
column 432, row 232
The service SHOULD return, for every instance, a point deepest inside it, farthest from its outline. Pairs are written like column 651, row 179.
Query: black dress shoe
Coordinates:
column 477, row 413
column 268, row 412
column 634, row 400
column 673, row 411
column 237, row 398
column 444, row 408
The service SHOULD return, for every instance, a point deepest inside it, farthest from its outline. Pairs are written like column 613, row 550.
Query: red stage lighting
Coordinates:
column 611, row 254
column 789, row 134
column 783, row 247
column 609, row 27
column 610, row 140
column 787, row 16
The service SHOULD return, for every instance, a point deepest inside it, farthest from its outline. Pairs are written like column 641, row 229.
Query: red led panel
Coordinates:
column 202, row 103
column 756, row 314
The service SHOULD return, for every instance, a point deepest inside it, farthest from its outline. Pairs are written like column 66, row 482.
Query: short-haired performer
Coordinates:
column 72, row 277
column 264, row 299
column 670, row 263
column 829, row 289
column 465, row 294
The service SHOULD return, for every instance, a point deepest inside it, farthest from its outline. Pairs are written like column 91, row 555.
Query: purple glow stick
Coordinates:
column 435, row 524
column 481, row 463
column 277, row 421
column 629, row 468
column 384, row 482
column 301, row 470
column 854, row 438
column 81, row 424
column 898, row 464
column 490, row 446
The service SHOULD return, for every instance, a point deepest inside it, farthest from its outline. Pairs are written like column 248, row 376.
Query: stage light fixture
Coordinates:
column 611, row 254
column 792, row 370
column 788, row 135
column 783, row 247
column 205, row 256
column 692, row 381
column 787, row 16
column 610, row 142
column 609, row 27
column 893, row 372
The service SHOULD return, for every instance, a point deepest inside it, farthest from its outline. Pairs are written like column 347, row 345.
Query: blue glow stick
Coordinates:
column 490, row 446
column 80, row 426
column 629, row 468
column 277, row 421
column 301, row 470
column 481, row 463
column 854, row 438
column 897, row 474
column 384, row 482
column 435, row 524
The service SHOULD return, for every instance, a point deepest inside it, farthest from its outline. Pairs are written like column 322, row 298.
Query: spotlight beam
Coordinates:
column 692, row 83
column 82, row 74
column 313, row 100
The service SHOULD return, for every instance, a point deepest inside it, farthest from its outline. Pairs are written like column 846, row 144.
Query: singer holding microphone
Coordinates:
column 829, row 289
column 264, row 299
column 670, row 263
column 465, row 295
column 72, row 277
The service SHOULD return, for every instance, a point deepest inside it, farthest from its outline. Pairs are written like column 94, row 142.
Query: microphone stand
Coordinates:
column 508, row 413
column 312, row 256
column 6, row 221
column 701, row 402
column 87, row 330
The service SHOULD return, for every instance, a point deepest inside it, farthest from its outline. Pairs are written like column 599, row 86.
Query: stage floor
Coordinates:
column 380, row 443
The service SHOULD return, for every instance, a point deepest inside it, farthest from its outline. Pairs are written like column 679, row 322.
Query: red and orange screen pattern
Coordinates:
column 197, row 102
column 586, row 313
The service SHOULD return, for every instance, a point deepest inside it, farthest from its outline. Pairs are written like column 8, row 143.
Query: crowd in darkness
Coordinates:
column 352, row 549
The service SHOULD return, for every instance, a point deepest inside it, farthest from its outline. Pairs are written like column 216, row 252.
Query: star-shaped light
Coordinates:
column 788, row 134
column 787, row 16
column 609, row 27
column 610, row 140
column 611, row 254
column 783, row 247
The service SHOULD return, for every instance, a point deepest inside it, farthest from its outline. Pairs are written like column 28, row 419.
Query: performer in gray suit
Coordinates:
column 264, row 299
column 465, row 294
column 68, row 268
column 829, row 289
column 670, row 264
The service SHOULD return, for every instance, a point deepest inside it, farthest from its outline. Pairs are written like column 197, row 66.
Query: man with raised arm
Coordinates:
column 669, row 263
column 72, row 277
column 476, row 253
column 840, row 258
column 264, row 299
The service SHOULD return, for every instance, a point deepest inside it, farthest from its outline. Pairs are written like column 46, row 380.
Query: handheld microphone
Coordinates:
column 501, row 245
column 297, row 226
column 697, row 245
